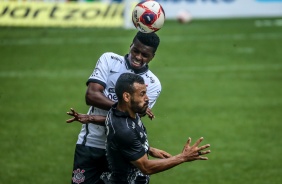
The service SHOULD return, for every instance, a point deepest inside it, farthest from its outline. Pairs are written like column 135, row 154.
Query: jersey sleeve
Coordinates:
column 154, row 92
column 101, row 71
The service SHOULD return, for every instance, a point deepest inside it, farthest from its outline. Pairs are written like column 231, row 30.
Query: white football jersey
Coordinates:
column 108, row 68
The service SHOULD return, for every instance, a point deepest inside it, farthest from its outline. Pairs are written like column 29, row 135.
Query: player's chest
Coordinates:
column 115, row 73
column 140, row 131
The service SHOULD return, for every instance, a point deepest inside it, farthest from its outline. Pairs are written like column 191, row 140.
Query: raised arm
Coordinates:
column 189, row 153
column 95, row 97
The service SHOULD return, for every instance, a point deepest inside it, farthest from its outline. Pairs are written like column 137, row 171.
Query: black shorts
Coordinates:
column 89, row 164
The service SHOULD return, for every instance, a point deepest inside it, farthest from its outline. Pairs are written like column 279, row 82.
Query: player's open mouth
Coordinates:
column 137, row 64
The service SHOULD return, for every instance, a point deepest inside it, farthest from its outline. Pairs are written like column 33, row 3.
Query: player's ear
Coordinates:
column 126, row 97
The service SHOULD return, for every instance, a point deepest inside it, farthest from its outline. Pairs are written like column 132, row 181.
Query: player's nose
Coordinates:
column 138, row 56
column 146, row 99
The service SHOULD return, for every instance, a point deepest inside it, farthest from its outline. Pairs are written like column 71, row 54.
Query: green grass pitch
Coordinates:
column 221, row 79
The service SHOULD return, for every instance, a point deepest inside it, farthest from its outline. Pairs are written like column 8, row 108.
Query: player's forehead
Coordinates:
column 139, row 87
column 142, row 47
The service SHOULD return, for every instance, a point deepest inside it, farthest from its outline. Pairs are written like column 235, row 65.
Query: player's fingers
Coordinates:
column 70, row 113
column 198, row 142
column 149, row 113
column 167, row 155
column 73, row 111
column 204, row 147
column 151, row 116
column 188, row 141
column 202, row 158
column 187, row 144
column 162, row 156
column 70, row 120
column 205, row 152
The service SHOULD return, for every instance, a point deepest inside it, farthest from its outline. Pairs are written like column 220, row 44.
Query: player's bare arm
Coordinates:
column 157, row 153
column 85, row 118
column 189, row 154
column 95, row 97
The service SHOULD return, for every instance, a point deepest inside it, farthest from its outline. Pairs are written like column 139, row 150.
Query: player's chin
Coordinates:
column 145, row 108
column 136, row 67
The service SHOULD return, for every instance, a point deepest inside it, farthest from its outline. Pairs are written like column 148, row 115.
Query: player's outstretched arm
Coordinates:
column 85, row 118
column 189, row 153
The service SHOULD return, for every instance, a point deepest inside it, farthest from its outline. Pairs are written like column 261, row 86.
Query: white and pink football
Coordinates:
column 148, row 16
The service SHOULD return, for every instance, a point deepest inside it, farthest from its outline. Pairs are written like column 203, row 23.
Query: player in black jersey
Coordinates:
column 127, row 146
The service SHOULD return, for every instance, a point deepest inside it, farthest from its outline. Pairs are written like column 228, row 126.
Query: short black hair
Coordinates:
column 148, row 39
column 125, row 84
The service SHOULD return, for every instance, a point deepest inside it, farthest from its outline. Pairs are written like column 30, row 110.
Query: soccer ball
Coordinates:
column 148, row 16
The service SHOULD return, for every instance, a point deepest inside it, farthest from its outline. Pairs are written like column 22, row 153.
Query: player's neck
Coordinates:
column 126, row 109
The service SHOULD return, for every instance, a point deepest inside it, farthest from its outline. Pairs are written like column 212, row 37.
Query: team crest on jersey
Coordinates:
column 95, row 72
column 152, row 80
column 78, row 176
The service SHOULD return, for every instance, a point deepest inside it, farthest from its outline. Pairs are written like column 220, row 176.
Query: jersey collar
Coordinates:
column 120, row 113
column 136, row 71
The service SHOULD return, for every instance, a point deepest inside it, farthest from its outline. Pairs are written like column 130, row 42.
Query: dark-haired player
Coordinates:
column 127, row 145
column 90, row 160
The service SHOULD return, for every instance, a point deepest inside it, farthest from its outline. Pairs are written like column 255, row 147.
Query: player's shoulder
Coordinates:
column 152, row 77
column 112, row 57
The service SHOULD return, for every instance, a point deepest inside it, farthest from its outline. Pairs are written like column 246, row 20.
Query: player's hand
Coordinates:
column 150, row 114
column 191, row 153
column 157, row 153
column 82, row 118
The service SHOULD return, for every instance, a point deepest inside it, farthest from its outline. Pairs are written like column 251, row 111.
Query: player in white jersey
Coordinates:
column 90, row 160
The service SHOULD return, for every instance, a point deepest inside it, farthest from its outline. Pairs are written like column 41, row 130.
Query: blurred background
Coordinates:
column 219, row 62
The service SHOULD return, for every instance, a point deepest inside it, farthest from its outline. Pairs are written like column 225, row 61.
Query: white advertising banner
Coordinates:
column 223, row 8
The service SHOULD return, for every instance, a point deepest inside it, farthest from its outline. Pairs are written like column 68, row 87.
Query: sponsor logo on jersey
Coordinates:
column 112, row 96
column 78, row 176
column 111, row 90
